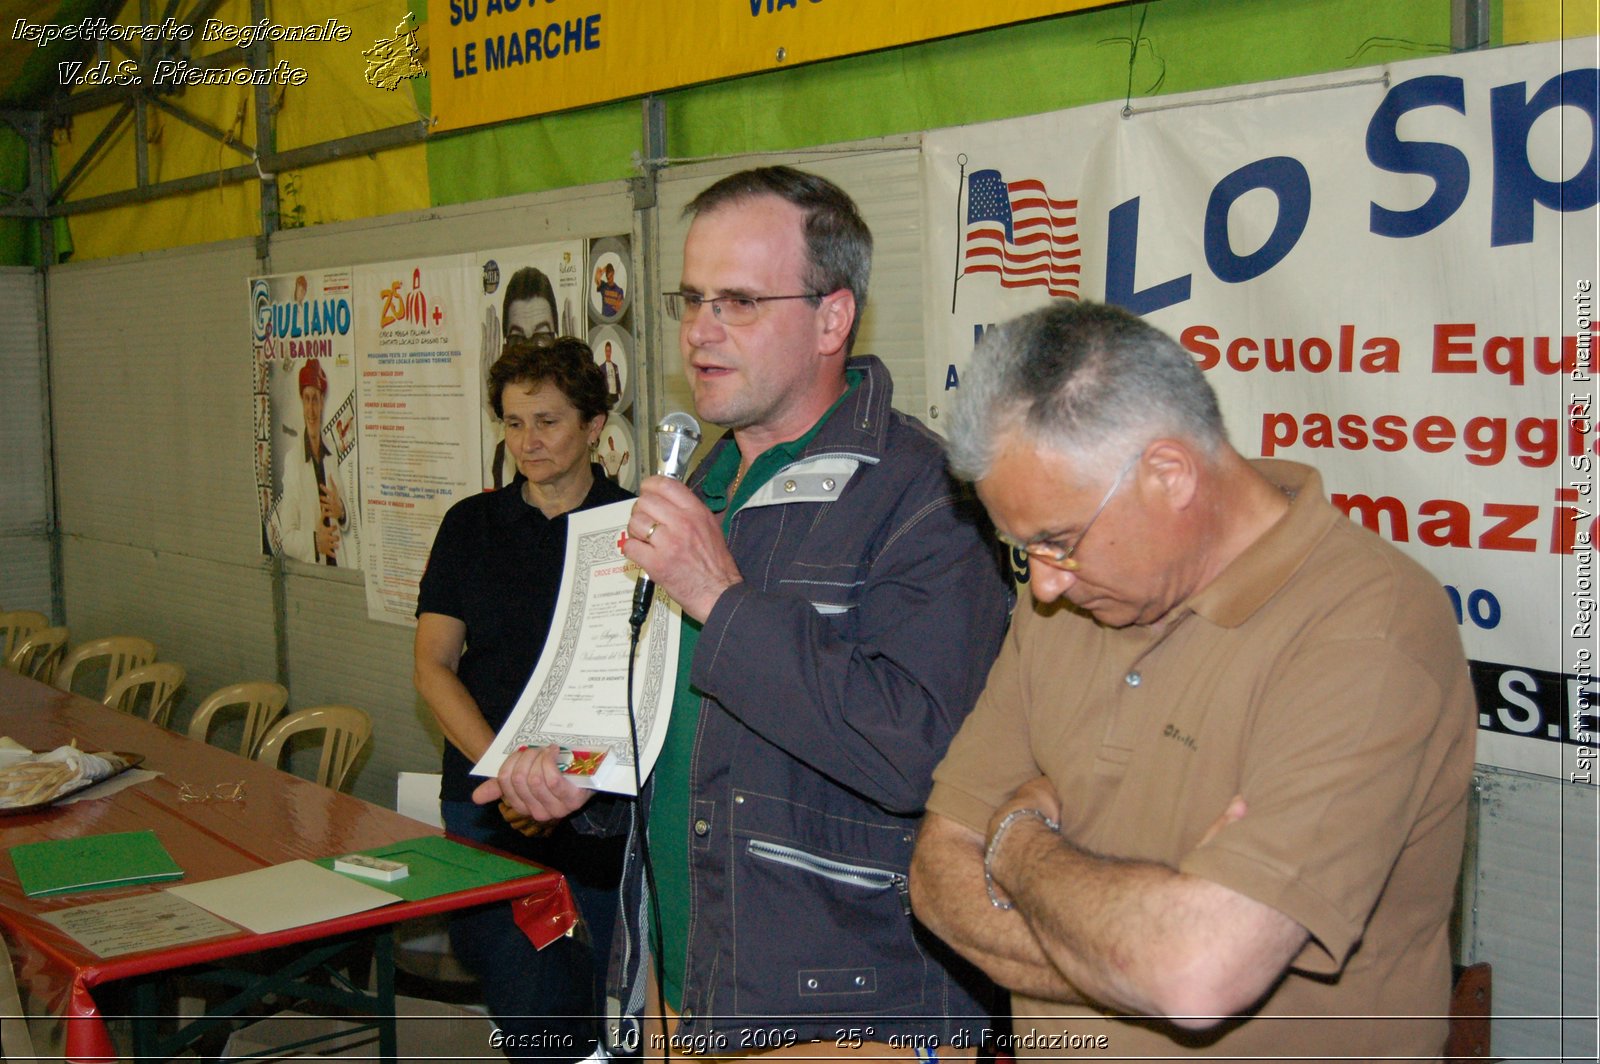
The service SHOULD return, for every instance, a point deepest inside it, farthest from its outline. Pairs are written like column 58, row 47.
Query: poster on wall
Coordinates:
column 526, row 292
column 1388, row 275
column 419, row 403
column 611, row 294
column 306, row 458
column 618, row 451
column 613, row 353
column 611, row 338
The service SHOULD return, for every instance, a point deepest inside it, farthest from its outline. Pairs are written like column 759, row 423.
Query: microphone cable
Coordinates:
column 677, row 436
column 658, row 962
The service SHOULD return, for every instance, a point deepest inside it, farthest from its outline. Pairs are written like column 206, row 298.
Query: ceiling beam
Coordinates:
column 275, row 163
column 82, row 165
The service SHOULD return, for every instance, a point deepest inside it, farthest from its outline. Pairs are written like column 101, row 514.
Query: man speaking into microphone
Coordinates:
column 841, row 607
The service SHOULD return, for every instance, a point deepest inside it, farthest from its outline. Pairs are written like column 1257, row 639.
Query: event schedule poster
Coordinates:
column 419, row 414
column 577, row 696
column 306, row 458
column 525, row 292
column 1386, row 274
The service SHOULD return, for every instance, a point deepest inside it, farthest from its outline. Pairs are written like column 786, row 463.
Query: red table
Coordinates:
column 282, row 818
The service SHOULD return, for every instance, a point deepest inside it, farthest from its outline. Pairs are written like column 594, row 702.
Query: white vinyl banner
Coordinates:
column 1388, row 274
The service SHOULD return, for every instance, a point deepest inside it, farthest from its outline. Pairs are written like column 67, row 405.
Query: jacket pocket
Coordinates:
column 863, row 876
column 821, row 914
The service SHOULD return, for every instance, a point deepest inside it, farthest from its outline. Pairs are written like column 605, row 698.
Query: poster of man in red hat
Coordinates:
column 306, row 462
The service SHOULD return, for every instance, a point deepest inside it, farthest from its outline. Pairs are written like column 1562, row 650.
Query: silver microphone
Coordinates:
column 676, row 438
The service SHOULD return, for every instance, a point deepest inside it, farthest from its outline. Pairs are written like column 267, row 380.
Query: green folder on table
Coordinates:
column 439, row 865
column 92, row 862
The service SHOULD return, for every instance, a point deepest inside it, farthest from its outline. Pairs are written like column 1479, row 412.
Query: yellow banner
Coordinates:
column 492, row 60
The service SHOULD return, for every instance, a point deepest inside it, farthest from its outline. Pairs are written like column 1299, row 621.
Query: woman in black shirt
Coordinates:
column 483, row 612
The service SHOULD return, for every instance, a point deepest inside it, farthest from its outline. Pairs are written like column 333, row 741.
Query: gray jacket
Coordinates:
column 835, row 676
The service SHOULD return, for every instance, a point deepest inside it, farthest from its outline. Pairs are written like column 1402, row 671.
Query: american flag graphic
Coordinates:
column 1016, row 230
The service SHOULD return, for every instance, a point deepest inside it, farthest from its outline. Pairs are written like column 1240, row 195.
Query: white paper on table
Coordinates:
column 144, row 921
column 577, row 695
column 278, row 897
column 106, row 788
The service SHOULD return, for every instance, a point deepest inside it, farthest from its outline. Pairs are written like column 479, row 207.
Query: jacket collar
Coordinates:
column 860, row 426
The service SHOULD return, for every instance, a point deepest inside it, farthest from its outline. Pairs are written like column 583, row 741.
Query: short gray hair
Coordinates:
column 1083, row 379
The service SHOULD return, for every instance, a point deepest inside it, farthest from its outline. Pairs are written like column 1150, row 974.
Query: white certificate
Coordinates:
column 144, row 921
column 577, row 695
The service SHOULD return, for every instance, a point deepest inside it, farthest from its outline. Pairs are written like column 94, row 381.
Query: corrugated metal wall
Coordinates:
column 1534, row 895
column 162, row 537
column 152, row 436
column 335, row 653
column 25, row 582
column 150, row 360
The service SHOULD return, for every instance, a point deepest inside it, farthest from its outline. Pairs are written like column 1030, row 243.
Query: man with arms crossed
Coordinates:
column 1219, row 773
column 841, row 606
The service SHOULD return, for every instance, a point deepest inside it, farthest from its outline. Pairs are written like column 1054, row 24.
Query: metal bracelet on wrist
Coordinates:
column 994, row 848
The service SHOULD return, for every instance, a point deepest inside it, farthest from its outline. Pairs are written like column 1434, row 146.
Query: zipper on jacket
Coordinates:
column 838, row 871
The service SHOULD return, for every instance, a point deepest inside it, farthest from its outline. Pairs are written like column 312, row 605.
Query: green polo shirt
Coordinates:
column 669, row 806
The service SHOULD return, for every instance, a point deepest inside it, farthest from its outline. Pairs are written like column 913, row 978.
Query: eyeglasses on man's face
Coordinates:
column 729, row 310
column 1050, row 548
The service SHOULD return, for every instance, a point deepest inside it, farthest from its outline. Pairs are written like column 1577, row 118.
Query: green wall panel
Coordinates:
column 554, row 151
column 1068, row 61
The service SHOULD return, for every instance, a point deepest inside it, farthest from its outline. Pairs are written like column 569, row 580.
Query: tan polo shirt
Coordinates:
column 1321, row 676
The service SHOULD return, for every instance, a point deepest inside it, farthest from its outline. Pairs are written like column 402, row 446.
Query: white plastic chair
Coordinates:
column 17, row 625
column 39, row 654
column 345, row 729
column 156, row 683
column 121, row 653
column 262, row 701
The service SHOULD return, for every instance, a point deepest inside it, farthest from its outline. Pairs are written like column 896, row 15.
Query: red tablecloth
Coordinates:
column 282, row 818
